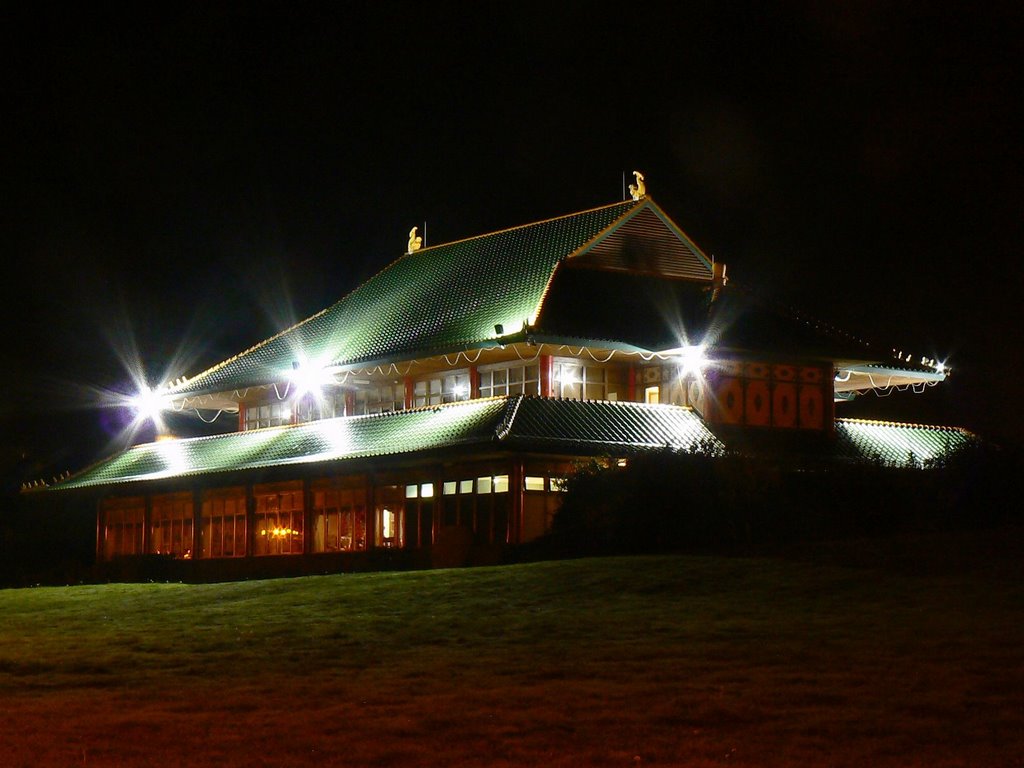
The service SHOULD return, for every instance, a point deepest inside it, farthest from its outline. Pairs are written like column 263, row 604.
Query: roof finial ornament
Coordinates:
column 640, row 189
column 415, row 241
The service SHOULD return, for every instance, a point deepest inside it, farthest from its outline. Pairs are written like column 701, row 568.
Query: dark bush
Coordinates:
column 665, row 501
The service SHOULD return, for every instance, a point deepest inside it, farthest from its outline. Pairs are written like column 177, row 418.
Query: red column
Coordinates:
column 241, row 417
column 474, row 383
column 197, row 521
column 100, row 524
column 547, row 369
column 371, row 512
column 631, row 384
column 147, row 524
column 307, row 516
column 410, row 392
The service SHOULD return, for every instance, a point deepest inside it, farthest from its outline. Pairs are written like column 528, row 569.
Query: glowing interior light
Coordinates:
column 461, row 390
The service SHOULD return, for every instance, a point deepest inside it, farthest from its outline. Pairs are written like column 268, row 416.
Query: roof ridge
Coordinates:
column 510, row 416
column 625, row 203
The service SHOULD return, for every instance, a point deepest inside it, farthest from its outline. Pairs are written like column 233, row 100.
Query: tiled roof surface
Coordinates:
column 318, row 441
column 618, row 426
column 533, row 423
column 435, row 300
column 899, row 445
column 561, row 425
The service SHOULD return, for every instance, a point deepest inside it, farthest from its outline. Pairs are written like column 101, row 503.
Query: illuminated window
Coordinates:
column 222, row 527
column 509, row 380
column 279, row 521
column 380, row 399
column 532, row 483
column 391, row 504
column 558, row 484
column 451, row 388
column 330, row 404
column 268, row 414
column 483, row 485
column 465, row 486
column 339, row 520
column 170, row 529
column 652, row 395
column 123, row 530
column 450, row 487
column 579, row 382
column 501, row 484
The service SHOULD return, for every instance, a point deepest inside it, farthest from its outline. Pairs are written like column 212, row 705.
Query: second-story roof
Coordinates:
column 455, row 296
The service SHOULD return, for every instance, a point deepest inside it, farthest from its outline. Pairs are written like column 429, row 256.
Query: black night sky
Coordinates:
column 190, row 182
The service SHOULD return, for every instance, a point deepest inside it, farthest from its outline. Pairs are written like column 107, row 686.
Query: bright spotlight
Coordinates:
column 149, row 405
column 692, row 359
column 307, row 379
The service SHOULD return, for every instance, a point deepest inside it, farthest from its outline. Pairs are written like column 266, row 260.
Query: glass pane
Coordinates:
column 534, row 483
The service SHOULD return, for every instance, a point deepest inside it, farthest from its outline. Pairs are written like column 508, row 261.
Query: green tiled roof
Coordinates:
column 518, row 423
column 317, row 441
column 551, row 425
column 899, row 445
column 619, row 427
column 438, row 299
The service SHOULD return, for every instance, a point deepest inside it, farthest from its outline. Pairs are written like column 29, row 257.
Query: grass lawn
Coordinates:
column 897, row 653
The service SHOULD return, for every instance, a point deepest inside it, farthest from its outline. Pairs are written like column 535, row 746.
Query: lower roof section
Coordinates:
column 899, row 445
column 517, row 423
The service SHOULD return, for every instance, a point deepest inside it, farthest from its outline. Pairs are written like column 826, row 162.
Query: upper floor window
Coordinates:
column 510, row 380
column 380, row 399
column 329, row 404
column 575, row 381
column 268, row 414
column 448, row 388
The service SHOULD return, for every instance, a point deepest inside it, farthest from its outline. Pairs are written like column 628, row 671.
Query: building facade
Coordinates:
column 451, row 394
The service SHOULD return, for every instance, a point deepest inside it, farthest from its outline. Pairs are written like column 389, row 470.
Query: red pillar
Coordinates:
column 547, row 369
column 100, row 525
column 410, row 392
column 631, row 384
column 197, row 521
column 474, row 383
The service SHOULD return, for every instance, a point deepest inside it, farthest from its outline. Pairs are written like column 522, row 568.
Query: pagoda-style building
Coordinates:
column 455, row 390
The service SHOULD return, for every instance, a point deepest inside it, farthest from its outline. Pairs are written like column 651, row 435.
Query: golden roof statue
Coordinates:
column 640, row 189
column 415, row 241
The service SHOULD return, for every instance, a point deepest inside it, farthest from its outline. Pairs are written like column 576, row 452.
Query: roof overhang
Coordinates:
column 862, row 377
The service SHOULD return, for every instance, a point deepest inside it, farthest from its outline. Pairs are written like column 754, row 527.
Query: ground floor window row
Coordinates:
column 337, row 515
